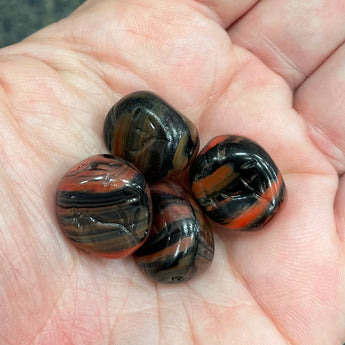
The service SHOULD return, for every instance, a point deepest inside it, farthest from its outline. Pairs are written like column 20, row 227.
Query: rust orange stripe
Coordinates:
column 214, row 182
column 178, row 247
column 271, row 192
column 117, row 255
column 248, row 216
column 171, row 214
column 255, row 210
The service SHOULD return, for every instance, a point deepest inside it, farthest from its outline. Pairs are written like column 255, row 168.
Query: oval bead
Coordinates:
column 103, row 205
column 145, row 130
column 236, row 183
column 181, row 244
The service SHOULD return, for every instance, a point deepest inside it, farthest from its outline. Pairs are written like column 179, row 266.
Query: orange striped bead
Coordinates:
column 181, row 244
column 236, row 183
column 103, row 205
column 146, row 131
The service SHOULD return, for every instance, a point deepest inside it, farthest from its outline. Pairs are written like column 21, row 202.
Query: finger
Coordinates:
column 320, row 100
column 226, row 12
column 257, row 104
column 292, row 37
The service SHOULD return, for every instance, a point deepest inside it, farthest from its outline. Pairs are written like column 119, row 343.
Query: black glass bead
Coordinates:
column 236, row 183
column 146, row 131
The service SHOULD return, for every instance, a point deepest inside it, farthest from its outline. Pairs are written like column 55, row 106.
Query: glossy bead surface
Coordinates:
column 145, row 130
column 181, row 243
column 236, row 183
column 103, row 205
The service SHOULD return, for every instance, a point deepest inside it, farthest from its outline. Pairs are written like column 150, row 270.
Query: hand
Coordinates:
column 280, row 82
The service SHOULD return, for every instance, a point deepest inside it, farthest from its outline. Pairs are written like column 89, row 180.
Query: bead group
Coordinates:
column 105, row 206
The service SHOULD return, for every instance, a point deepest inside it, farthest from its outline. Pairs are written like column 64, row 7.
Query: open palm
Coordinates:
column 280, row 82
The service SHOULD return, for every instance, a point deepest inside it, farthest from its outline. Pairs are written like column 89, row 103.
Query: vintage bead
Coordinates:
column 181, row 243
column 103, row 205
column 236, row 183
column 143, row 129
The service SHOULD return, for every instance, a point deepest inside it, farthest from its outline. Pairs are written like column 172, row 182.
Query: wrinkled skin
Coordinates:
column 272, row 70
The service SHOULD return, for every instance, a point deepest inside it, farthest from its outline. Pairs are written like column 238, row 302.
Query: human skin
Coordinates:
column 273, row 71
